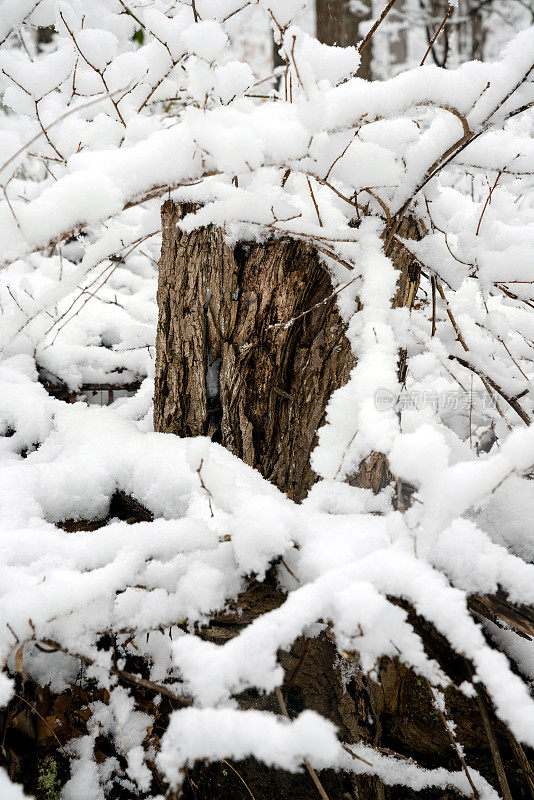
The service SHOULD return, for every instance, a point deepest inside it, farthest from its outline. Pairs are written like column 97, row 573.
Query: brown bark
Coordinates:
column 337, row 24
column 224, row 310
column 229, row 367
column 394, row 713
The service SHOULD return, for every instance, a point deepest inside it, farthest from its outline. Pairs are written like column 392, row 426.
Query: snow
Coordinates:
column 229, row 733
column 205, row 39
column 184, row 115
column 10, row 791
column 355, row 426
column 196, row 733
column 189, row 550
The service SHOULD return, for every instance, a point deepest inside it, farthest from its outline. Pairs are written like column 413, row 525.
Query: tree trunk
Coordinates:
column 250, row 346
column 337, row 24
column 229, row 367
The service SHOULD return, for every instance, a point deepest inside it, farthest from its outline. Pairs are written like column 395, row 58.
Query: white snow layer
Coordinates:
column 88, row 148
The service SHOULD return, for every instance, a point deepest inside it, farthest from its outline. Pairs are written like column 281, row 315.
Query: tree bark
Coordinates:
column 250, row 347
column 228, row 366
column 337, row 24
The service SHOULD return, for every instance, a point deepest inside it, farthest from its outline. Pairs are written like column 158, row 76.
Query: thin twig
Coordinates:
column 291, row 321
column 57, row 121
column 451, row 317
column 311, row 771
column 525, row 376
column 453, row 741
column 522, row 760
column 365, row 41
column 111, row 267
column 127, row 677
column 492, row 741
column 299, row 664
column 289, row 568
column 512, row 401
column 43, row 720
column 450, row 9
column 433, row 284
column 295, row 64
column 359, row 758
column 237, row 11
column 131, row 14
column 488, row 200
column 99, row 72
column 11, row 30
column 314, row 201
column 199, row 472
column 224, row 761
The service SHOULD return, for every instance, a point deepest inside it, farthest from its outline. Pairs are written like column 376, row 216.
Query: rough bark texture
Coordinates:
column 394, row 713
column 222, row 321
column 228, row 367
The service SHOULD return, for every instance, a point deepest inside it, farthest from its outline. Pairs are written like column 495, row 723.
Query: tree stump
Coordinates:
column 240, row 355
column 250, row 347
